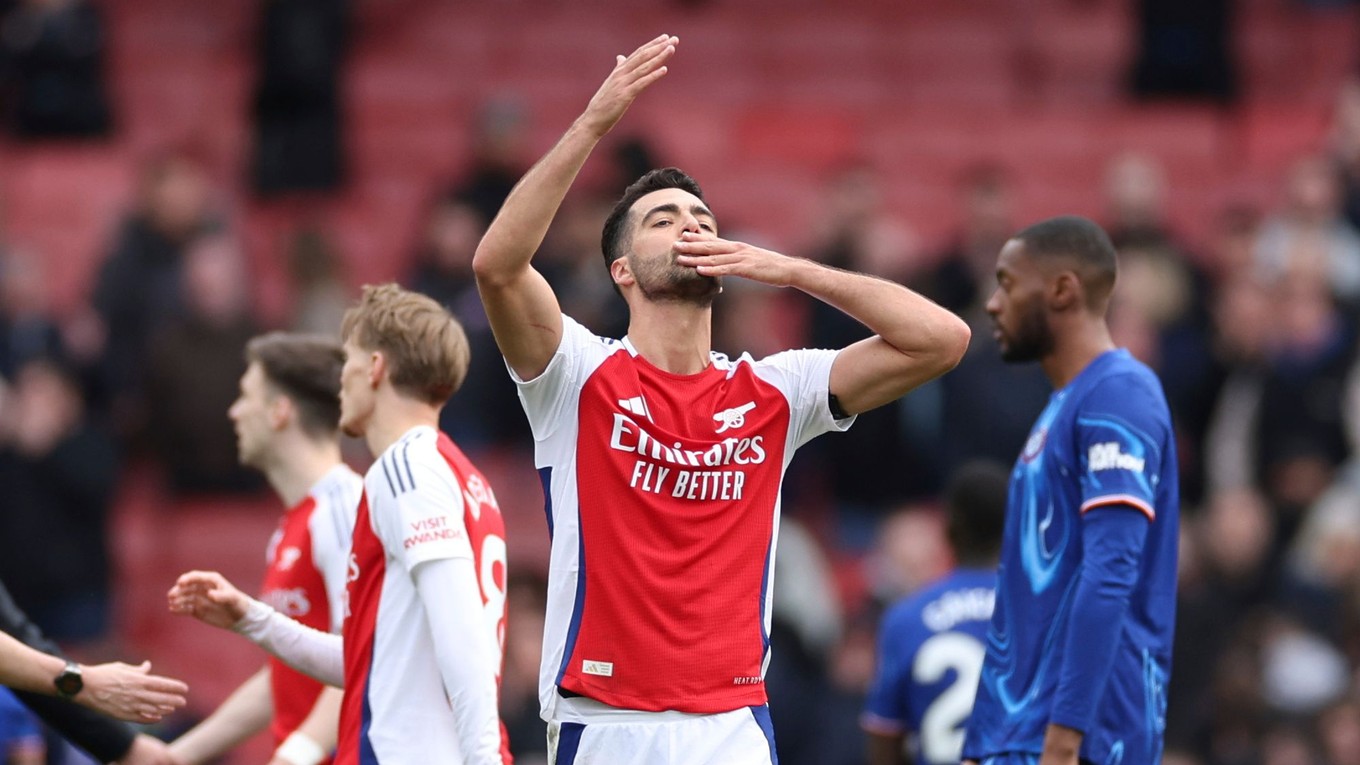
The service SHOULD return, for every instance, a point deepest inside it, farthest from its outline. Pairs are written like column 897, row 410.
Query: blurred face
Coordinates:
column 659, row 219
column 356, row 390
column 1019, row 315
column 252, row 416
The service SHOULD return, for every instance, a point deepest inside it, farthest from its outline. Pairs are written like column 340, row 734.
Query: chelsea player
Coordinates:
column 1079, row 652
column 930, row 645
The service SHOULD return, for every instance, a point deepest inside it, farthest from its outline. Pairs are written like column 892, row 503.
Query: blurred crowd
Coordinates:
column 1255, row 333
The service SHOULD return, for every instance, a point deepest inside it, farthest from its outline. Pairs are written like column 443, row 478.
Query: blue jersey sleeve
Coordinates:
column 1112, row 543
column 1120, row 431
column 886, row 710
column 18, row 726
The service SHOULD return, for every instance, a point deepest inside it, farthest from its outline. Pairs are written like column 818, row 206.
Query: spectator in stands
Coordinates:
column 299, row 141
column 1311, row 223
column 961, row 280
column 486, row 410
column 138, row 290
column 526, row 598
column 52, row 69
column 320, row 291
column 192, row 372
column 59, row 473
column 499, row 156
column 27, row 329
column 1345, row 147
column 1185, row 50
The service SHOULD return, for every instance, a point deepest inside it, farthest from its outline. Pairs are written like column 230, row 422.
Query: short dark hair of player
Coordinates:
column 616, row 238
column 975, row 506
column 1085, row 244
column 426, row 349
column 306, row 369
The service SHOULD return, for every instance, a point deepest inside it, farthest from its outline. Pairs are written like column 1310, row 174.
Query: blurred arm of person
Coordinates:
column 115, row 689
column 246, row 711
column 318, row 733
column 210, row 598
column 106, row 739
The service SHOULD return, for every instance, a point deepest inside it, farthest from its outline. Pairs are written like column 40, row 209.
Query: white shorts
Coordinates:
column 621, row 737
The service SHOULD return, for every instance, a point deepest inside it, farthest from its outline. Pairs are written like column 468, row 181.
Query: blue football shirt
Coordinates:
column 1102, row 446
column 930, row 648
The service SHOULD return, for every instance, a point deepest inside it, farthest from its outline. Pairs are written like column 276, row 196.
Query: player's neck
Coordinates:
column 301, row 464
column 1077, row 345
column 675, row 337
column 393, row 416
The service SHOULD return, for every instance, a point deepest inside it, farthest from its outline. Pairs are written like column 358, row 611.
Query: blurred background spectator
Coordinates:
column 269, row 157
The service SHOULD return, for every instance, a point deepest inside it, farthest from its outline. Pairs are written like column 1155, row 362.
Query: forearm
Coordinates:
column 321, row 725
column 312, row 652
column 905, row 320
column 245, row 712
column 518, row 230
column 26, row 669
column 468, row 662
column 1112, row 540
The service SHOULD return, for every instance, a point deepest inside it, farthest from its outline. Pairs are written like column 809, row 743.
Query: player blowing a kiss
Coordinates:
column 421, row 649
column 662, row 460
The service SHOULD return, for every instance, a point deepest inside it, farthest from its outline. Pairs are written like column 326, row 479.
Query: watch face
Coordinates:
column 69, row 682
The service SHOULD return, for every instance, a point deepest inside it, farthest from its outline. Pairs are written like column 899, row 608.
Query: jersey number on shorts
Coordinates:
column 942, row 724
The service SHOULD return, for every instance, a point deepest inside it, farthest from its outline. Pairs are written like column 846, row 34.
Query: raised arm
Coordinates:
column 524, row 313
column 246, row 711
column 915, row 339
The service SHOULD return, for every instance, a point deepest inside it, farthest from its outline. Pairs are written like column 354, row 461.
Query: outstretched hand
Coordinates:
column 130, row 693
column 721, row 257
column 632, row 74
column 208, row 597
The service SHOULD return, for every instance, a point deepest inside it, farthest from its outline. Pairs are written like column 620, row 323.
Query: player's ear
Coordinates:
column 280, row 412
column 1065, row 292
column 377, row 369
column 621, row 272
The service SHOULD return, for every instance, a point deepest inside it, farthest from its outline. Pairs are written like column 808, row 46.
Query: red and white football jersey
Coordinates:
column 663, row 498
column 423, row 500
column 307, row 563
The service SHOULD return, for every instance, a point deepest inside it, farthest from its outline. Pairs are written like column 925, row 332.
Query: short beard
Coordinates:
column 672, row 283
column 1033, row 338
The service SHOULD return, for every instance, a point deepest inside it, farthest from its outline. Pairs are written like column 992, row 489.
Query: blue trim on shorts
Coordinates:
column 569, row 742
column 762, row 715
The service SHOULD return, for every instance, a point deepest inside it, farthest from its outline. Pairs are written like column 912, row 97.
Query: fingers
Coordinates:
column 645, row 60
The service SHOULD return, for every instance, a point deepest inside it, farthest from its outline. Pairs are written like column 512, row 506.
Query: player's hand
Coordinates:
column 721, row 257
column 632, row 74
column 208, row 597
column 148, row 750
column 130, row 693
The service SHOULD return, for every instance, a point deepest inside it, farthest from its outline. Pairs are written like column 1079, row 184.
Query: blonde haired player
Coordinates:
column 421, row 650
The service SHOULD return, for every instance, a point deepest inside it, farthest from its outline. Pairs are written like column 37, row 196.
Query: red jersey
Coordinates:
column 663, row 501
column 305, row 579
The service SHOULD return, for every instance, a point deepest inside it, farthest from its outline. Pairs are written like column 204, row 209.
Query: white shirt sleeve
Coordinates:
column 547, row 396
column 453, row 606
column 419, row 510
column 804, row 376
column 318, row 654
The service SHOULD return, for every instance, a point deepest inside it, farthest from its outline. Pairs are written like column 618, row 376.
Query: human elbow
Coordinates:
column 954, row 336
column 489, row 266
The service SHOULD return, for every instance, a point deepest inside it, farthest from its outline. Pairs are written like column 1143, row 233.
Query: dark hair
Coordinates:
column 975, row 502
column 306, row 369
column 614, row 239
column 1083, row 241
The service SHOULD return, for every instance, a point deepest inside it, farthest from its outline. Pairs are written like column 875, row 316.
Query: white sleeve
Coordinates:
column 462, row 646
column 332, row 532
column 545, row 397
column 419, row 510
column 804, row 376
column 318, row 654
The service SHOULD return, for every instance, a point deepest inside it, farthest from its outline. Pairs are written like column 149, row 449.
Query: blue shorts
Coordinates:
column 1016, row 758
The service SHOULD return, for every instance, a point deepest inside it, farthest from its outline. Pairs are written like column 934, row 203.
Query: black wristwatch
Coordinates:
column 69, row 682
